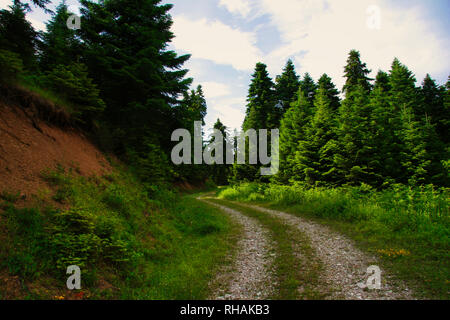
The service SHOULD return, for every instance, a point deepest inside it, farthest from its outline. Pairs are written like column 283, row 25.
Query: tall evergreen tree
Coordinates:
column 286, row 85
column 220, row 172
column 140, row 79
column 314, row 158
column 418, row 153
column 356, row 73
column 329, row 88
column 354, row 157
column 262, row 113
column 59, row 44
column 309, row 88
column 292, row 131
column 433, row 107
column 261, row 110
column 385, row 142
column 18, row 35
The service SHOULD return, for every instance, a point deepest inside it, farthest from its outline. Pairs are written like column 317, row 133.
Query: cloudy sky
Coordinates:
column 228, row 37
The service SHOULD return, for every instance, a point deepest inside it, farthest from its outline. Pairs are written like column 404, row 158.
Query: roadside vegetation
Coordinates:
column 408, row 228
column 127, row 245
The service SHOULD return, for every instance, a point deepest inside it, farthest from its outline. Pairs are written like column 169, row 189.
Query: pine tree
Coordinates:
column 332, row 93
column 356, row 73
column 125, row 48
column 59, row 44
column 286, row 86
column 385, row 142
column 41, row 4
column 309, row 88
column 420, row 151
column 220, row 172
column 261, row 110
column 434, row 108
column 445, row 123
column 314, row 158
column 18, row 35
column 356, row 144
column 262, row 113
column 292, row 131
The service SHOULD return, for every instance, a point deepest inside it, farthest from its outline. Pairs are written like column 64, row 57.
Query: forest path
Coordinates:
column 250, row 276
column 344, row 268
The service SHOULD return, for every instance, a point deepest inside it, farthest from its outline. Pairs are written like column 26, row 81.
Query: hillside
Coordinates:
column 62, row 202
column 29, row 145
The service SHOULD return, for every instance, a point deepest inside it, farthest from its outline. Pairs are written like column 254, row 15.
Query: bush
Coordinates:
column 73, row 84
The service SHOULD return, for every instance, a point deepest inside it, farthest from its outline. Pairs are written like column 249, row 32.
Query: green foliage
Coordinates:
column 309, row 88
column 261, row 110
column 140, row 79
column 355, row 73
column 152, row 242
column 17, row 34
column 10, row 66
column 415, row 219
column 286, row 85
column 389, row 132
column 314, row 156
column 220, row 172
column 59, row 45
column 74, row 85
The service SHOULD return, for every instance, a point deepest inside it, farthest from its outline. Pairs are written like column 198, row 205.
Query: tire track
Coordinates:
column 250, row 276
column 345, row 266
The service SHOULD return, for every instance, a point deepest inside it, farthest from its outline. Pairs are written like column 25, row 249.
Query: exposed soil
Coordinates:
column 28, row 146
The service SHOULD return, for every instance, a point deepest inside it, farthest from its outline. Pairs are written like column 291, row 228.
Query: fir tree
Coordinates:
column 261, row 113
column 314, row 158
column 125, row 48
column 356, row 73
column 292, row 131
column 419, row 151
column 59, row 45
column 353, row 159
column 261, row 110
column 434, row 108
column 286, row 86
column 220, row 172
column 309, row 88
column 328, row 86
column 18, row 35
column 385, row 142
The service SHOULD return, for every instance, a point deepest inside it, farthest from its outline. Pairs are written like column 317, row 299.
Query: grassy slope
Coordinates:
column 407, row 229
column 129, row 244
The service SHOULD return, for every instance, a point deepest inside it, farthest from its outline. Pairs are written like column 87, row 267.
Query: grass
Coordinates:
column 294, row 264
column 407, row 228
column 128, row 245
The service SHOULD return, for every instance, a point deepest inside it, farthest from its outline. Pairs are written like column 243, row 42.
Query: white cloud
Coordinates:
column 327, row 31
column 215, row 89
column 241, row 7
column 37, row 25
column 4, row 4
column 217, row 42
column 231, row 117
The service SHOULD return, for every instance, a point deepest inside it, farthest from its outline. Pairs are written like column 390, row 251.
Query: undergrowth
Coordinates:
column 166, row 246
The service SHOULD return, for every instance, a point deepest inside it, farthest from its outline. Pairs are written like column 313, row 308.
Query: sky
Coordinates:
column 226, row 39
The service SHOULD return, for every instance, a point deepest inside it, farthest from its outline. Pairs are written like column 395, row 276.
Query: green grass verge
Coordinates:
column 294, row 265
column 407, row 228
column 130, row 243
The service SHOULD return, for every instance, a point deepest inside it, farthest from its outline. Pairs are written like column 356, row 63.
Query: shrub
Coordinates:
column 73, row 84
